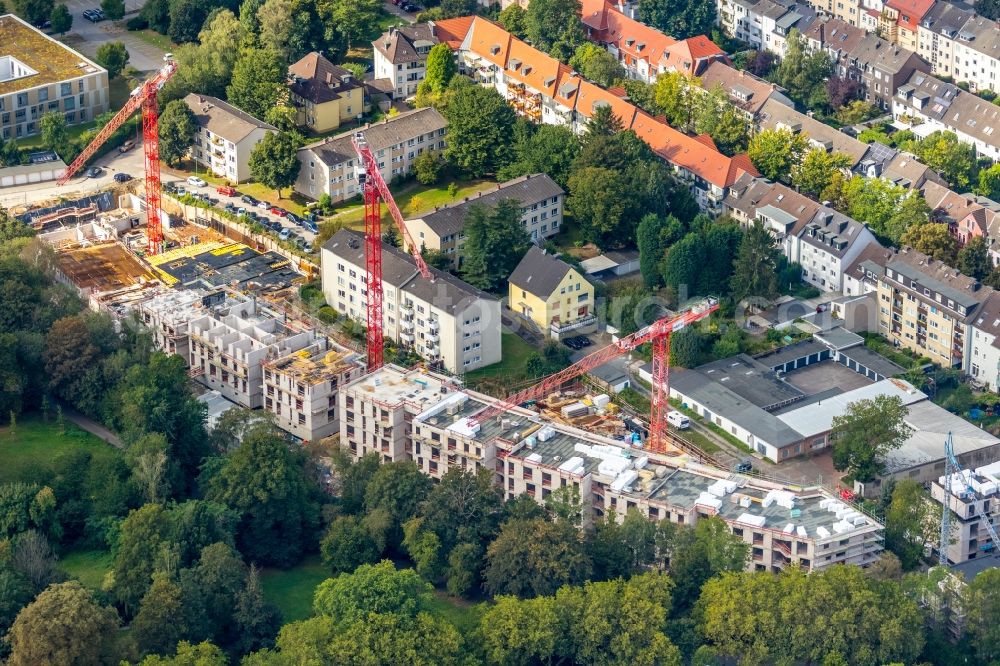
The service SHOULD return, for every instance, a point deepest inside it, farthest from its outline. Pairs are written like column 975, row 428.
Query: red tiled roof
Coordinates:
column 594, row 14
column 707, row 140
column 592, row 96
column 453, row 31
column 911, row 12
column 689, row 55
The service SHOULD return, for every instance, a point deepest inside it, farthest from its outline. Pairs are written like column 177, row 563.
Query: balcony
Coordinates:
column 407, row 338
column 433, row 338
column 434, row 326
column 406, row 323
column 557, row 329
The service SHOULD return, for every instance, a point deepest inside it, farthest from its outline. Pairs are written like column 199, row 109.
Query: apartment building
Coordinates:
column 926, row 104
column 167, row 315
column 225, row 137
column 330, row 166
column 444, row 320
column 323, row 94
column 539, row 197
column 880, row 67
column 900, row 21
column 967, row 215
column 937, row 33
column 976, row 50
column 401, row 57
column 544, row 90
column 928, row 307
column 551, row 293
column 775, row 115
column 425, row 418
column 301, row 388
column 40, row 75
column 974, row 501
column 764, row 24
column 643, row 51
column 747, row 92
column 826, row 246
column 984, row 362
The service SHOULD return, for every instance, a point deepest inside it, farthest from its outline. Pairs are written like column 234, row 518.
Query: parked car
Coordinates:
column 311, row 226
column 181, row 191
column 127, row 146
column 280, row 212
column 226, row 190
column 572, row 343
column 678, row 420
column 196, row 181
column 91, row 15
column 94, row 172
column 583, row 341
column 247, row 199
column 263, row 205
column 274, row 225
column 122, row 177
column 744, row 466
column 285, row 233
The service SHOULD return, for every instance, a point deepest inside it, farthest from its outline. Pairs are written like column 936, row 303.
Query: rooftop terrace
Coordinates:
column 35, row 59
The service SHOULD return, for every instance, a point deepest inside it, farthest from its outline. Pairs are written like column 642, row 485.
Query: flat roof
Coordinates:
column 51, row 61
column 931, row 425
column 792, row 352
column 873, row 361
column 817, row 418
column 839, row 338
column 750, row 379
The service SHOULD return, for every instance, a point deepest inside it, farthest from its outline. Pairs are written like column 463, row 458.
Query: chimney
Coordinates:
column 329, row 78
column 822, row 34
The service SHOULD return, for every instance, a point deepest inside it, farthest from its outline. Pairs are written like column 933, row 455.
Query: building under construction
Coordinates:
column 974, row 501
column 426, row 418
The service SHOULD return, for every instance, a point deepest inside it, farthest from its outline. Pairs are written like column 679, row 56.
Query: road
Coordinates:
column 396, row 11
column 91, row 426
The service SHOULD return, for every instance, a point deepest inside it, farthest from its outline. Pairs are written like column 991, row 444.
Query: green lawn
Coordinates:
column 291, row 590
column 87, row 566
column 515, row 352
column 155, row 39
column 28, row 454
column 412, row 198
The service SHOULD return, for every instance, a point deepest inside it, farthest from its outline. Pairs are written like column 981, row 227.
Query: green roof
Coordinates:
column 52, row 61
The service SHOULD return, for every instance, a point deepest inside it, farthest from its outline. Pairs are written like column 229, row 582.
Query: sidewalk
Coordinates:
column 91, row 426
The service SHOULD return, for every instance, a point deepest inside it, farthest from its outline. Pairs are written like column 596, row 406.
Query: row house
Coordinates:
column 926, row 104
column 960, row 44
column 967, row 215
column 764, row 24
column 937, row 33
column 444, row 320
column 426, row 418
column 645, row 52
column 851, row 12
column 747, row 92
column 544, row 90
column 900, row 21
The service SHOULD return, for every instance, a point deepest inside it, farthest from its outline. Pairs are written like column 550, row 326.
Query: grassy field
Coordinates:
column 515, row 352
column 412, row 198
column 87, row 566
column 154, row 38
column 291, row 590
column 29, row 453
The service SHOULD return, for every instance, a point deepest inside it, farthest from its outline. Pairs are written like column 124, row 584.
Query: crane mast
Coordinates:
column 658, row 333
column 143, row 97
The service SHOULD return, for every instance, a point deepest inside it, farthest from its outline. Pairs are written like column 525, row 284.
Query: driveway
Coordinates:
column 396, row 11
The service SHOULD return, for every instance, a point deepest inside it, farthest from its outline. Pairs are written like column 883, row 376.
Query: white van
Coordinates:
column 678, row 420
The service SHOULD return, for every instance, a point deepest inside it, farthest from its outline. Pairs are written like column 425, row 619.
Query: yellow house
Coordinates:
column 323, row 94
column 550, row 293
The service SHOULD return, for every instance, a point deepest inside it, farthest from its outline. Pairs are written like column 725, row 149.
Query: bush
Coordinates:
column 328, row 315
column 136, row 23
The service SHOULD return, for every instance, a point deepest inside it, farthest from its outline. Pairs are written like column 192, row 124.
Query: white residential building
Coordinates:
column 225, row 137
column 445, row 321
column 331, row 166
column 826, row 246
column 400, row 55
column 974, row 501
column 984, row 363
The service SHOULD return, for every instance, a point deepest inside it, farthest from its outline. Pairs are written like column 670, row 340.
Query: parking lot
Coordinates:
column 282, row 226
column 86, row 36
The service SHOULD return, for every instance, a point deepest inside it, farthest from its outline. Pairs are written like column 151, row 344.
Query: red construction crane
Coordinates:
column 658, row 333
column 376, row 191
column 144, row 96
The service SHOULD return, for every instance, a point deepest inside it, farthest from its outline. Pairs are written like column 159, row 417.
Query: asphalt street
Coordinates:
column 86, row 36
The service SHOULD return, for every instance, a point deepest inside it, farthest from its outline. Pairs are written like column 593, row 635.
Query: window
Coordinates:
column 65, row 89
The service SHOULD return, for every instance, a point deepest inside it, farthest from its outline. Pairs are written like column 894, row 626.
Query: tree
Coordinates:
column 889, row 209
column 112, row 56
column 553, row 557
column 554, row 27
column 548, row 149
column 942, row 151
column 465, row 561
column 256, row 620
column 157, row 14
column 716, row 116
column 265, row 483
column 347, row 545
column 440, row 68
column 933, row 239
column 653, row 236
column 32, row 557
column 680, row 18
column 398, row 488
column 815, row 173
column 683, row 264
column 290, row 28
column 596, row 64
column 804, row 73
column 424, row 548
column 274, row 161
column 61, row 19
column 371, row 588
column 202, row 654
column 353, row 18
column 604, row 123
column 463, row 507
column 866, row 433
column 113, row 9
column 678, row 95
column 54, row 133
column 206, row 67
column 33, row 11
column 755, row 268
column 428, row 167
column 391, row 639
column 186, row 18
column 776, row 153
column 63, row 625
column 910, row 523
column 495, row 243
column 989, row 182
column 514, row 20
column 257, row 81
column 688, row 348
column 855, row 112
column 974, row 259
column 911, row 212
column 843, row 91
column 794, row 617
column 159, row 624
column 480, row 125
column 597, row 199
column 983, row 604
